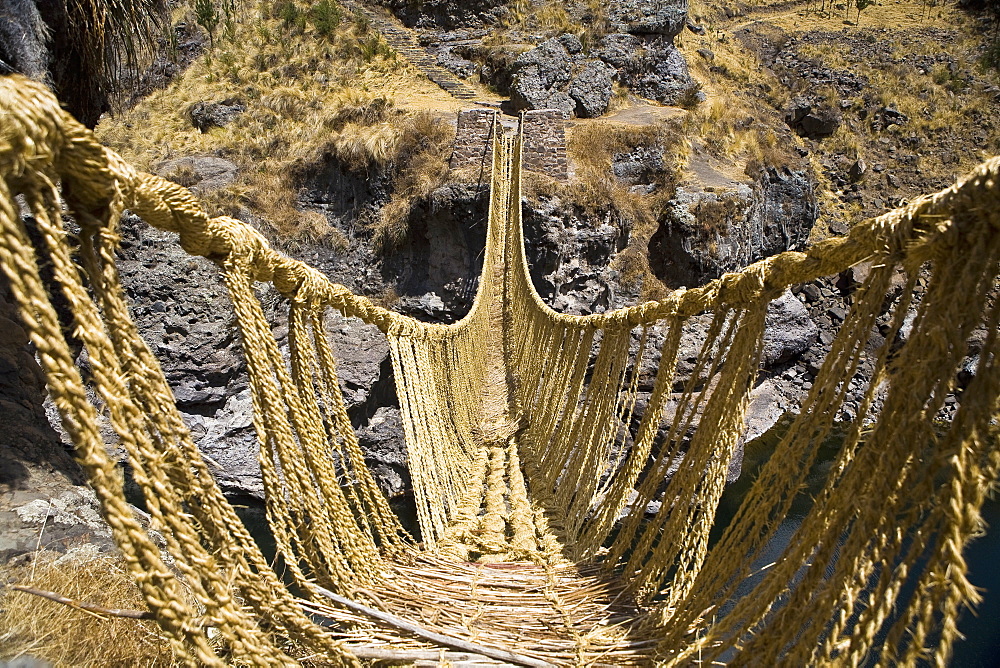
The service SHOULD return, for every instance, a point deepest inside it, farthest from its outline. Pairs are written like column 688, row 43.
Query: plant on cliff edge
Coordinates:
column 207, row 16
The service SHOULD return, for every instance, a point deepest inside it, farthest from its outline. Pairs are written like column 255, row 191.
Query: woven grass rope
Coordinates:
column 530, row 488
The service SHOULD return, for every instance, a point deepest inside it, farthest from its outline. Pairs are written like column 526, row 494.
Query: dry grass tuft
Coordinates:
column 307, row 99
column 421, row 163
column 592, row 148
column 32, row 626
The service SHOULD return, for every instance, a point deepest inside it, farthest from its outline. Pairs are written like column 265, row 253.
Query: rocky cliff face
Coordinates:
column 707, row 233
column 44, row 502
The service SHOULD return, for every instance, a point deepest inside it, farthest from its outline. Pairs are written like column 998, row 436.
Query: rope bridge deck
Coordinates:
column 536, row 442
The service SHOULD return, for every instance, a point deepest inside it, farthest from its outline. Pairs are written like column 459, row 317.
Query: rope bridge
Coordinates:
column 534, row 441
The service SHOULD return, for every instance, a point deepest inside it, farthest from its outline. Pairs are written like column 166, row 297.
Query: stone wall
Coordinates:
column 544, row 148
column 472, row 138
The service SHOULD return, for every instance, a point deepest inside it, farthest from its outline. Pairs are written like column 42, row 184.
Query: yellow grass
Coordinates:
column 421, row 162
column 307, row 98
column 70, row 638
column 591, row 148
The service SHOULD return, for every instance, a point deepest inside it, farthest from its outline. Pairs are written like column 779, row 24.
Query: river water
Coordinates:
column 981, row 628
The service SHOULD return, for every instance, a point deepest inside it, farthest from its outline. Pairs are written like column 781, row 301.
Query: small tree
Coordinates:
column 862, row 5
column 325, row 17
column 207, row 16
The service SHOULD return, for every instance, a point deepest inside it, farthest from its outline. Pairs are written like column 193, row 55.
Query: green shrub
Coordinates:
column 291, row 16
column 325, row 16
column 207, row 16
column 373, row 46
column 991, row 56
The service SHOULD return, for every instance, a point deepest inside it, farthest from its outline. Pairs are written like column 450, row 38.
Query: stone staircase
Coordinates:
column 405, row 43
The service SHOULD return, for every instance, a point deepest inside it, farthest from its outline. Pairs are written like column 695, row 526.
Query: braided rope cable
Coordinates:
column 512, row 414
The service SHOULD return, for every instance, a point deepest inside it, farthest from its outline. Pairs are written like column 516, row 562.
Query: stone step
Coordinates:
column 403, row 41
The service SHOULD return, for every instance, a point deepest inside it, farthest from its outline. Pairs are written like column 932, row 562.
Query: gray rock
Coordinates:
column 643, row 17
column 893, row 116
column 200, row 173
column 764, row 411
column 571, row 43
column 22, row 39
column 385, row 451
column 448, row 59
column 207, row 115
column 428, row 307
column 547, row 99
column 552, row 61
column 448, row 14
column 858, row 170
column 705, row 234
column 539, row 77
column 641, row 165
column 618, row 49
column 591, row 89
column 228, row 438
column 570, row 254
column 651, row 67
column 810, row 120
column 788, row 330
column 697, row 29
column 811, row 292
column 363, row 363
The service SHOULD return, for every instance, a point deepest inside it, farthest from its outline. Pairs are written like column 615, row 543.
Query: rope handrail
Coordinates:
column 587, row 453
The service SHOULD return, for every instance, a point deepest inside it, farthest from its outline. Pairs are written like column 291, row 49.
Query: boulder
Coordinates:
column 648, row 17
column 812, row 120
column 528, row 92
column 641, row 165
column 591, row 88
column 650, row 66
column 200, row 173
column 788, row 330
column 539, row 77
column 618, row 49
column 207, row 115
column 571, row 43
column 385, row 451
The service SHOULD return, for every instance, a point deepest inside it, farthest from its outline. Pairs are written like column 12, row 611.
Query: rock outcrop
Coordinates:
column 447, row 14
column 650, row 66
column 200, row 173
column 557, row 75
column 208, row 115
column 648, row 17
column 44, row 502
column 705, row 234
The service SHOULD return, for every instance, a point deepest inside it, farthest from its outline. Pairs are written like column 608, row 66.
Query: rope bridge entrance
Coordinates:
column 535, row 441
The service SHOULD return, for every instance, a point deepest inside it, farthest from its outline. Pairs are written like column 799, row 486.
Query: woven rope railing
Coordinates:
column 536, row 440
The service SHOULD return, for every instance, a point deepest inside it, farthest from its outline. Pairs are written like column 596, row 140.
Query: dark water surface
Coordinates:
column 981, row 626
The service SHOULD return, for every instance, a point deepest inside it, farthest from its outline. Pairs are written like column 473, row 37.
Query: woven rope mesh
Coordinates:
column 536, row 440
